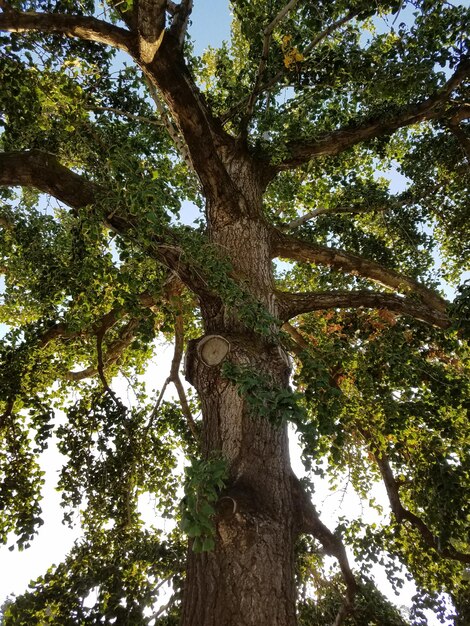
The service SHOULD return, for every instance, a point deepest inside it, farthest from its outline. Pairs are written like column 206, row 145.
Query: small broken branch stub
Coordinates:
column 213, row 349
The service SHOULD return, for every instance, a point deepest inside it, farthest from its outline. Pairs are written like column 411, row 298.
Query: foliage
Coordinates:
column 88, row 289
column 204, row 481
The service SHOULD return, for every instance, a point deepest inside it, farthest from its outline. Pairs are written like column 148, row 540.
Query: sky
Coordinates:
column 210, row 25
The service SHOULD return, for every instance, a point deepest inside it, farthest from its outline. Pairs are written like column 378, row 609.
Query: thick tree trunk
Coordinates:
column 248, row 580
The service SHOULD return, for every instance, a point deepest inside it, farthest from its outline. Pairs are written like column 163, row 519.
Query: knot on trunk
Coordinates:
column 206, row 355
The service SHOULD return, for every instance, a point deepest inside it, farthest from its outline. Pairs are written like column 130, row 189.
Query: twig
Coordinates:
column 268, row 31
column 131, row 116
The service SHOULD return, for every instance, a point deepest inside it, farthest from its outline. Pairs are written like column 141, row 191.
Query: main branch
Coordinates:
column 337, row 141
column 44, row 172
column 288, row 247
column 82, row 27
column 293, row 304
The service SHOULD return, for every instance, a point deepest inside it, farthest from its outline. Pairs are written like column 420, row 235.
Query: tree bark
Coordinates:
column 248, row 579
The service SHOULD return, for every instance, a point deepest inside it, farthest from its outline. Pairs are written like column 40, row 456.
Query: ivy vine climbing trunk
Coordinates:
column 249, row 578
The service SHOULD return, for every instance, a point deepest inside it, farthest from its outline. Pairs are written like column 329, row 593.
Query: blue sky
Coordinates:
column 210, row 23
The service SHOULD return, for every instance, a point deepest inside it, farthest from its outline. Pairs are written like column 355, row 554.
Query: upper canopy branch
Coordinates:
column 337, row 141
column 293, row 304
column 260, row 87
column 288, row 247
column 268, row 31
column 83, row 27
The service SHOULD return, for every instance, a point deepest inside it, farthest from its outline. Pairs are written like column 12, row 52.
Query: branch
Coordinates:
column 115, row 350
column 293, row 304
column 6, row 7
column 181, row 13
column 130, row 116
column 288, row 247
column 151, row 27
column 43, row 171
column 337, row 141
column 310, row 523
column 168, row 124
column 401, row 514
column 82, row 27
column 315, row 41
column 277, row 77
column 462, row 138
column 268, row 31
column 61, row 331
column 327, row 211
column 99, row 351
column 175, row 376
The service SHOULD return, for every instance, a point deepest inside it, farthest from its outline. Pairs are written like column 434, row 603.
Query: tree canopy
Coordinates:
column 294, row 131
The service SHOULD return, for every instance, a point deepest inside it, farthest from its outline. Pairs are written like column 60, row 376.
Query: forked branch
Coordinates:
column 293, row 304
column 288, row 247
column 174, row 377
column 404, row 515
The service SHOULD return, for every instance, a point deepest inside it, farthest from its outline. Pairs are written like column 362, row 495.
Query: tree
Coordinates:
column 279, row 138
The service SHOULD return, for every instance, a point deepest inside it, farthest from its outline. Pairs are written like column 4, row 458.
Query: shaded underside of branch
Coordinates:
column 288, row 247
column 310, row 523
column 82, row 27
column 293, row 304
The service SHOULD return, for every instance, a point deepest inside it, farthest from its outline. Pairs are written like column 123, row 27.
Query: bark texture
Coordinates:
column 256, row 526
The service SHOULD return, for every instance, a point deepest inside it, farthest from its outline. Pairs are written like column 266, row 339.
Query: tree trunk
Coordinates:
column 248, row 580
